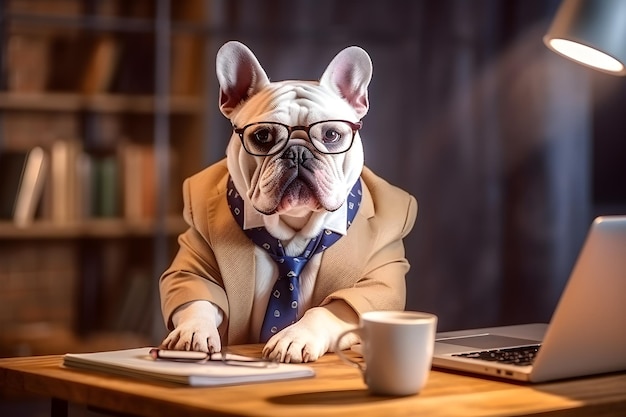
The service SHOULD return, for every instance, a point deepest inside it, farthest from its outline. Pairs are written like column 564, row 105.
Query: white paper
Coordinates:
column 138, row 363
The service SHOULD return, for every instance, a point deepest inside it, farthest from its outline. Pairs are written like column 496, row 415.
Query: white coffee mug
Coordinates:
column 398, row 349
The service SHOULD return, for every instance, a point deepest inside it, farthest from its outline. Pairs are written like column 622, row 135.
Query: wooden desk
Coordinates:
column 337, row 390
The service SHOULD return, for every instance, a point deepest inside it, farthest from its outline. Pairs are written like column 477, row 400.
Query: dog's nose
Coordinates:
column 298, row 154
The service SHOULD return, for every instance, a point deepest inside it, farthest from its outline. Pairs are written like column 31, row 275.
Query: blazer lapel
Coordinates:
column 343, row 263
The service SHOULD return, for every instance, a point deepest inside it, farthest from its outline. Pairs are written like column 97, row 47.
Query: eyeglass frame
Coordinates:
column 355, row 126
column 186, row 356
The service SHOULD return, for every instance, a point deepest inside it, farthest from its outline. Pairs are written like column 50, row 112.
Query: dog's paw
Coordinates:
column 309, row 338
column 196, row 329
column 193, row 335
column 295, row 344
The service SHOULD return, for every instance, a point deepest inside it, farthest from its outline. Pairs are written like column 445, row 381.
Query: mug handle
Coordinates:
column 342, row 355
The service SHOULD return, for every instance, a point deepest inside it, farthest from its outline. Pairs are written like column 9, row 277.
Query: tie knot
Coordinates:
column 289, row 266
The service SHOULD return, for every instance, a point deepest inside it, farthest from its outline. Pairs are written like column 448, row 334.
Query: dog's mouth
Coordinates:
column 297, row 193
column 296, row 180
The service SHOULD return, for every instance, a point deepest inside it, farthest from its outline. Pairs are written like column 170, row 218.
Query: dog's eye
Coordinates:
column 331, row 136
column 263, row 135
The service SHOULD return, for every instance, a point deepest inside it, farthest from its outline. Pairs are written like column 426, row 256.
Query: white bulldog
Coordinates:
column 294, row 156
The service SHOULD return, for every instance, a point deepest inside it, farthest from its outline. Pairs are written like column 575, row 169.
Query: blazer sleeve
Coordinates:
column 194, row 273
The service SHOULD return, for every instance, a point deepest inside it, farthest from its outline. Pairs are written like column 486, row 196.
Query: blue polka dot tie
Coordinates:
column 282, row 307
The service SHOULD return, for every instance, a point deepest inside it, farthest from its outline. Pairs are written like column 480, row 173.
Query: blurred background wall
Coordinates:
column 510, row 150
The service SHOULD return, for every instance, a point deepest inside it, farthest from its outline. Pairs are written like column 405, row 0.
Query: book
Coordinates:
column 139, row 181
column 138, row 363
column 21, row 184
column 105, row 186
column 26, row 67
column 101, row 65
column 31, row 187
column 185, row 65
column 65, row 181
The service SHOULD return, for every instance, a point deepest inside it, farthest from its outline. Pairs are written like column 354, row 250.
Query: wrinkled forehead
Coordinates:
column 294, row 103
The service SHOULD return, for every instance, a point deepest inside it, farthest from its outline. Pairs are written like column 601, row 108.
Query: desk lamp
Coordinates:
column 592, row 32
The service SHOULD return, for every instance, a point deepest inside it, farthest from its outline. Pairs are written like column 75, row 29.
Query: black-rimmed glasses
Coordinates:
column 269, row 138
column 189, row 356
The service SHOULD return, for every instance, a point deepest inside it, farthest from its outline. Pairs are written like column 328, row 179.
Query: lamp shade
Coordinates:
column 592, row 32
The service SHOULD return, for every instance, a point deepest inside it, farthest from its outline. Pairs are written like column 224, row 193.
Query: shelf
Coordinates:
column 110, row 90
column 93, row 228
column 102, row 23
column 103, row 103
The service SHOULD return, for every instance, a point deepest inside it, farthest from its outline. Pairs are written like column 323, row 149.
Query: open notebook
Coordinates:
column 138, row 363
column 587, row 333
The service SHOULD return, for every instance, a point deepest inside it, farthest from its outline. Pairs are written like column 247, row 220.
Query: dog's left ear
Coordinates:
column 239, row 74
column 348, row 75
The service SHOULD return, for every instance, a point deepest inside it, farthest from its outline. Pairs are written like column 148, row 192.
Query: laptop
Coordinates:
column 587, row 332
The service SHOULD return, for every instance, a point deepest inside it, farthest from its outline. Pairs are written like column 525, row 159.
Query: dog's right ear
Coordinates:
column 239, row 74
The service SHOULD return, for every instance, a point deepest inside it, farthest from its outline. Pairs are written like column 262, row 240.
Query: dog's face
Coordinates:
column 294, row 173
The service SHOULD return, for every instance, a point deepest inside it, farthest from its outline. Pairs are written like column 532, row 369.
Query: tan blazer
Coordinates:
column 215, row 262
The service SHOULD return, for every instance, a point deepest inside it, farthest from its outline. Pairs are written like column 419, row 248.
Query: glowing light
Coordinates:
column 586, row 55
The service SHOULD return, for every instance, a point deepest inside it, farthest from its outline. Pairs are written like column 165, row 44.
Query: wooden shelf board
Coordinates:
column 103, row 23
column 92, row 228
column 105, row 103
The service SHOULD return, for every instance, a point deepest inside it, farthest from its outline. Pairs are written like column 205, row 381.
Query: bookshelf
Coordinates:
column 102, row 103
column 113, row 92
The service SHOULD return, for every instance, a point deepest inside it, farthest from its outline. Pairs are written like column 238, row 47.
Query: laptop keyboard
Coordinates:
column 520, row 356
